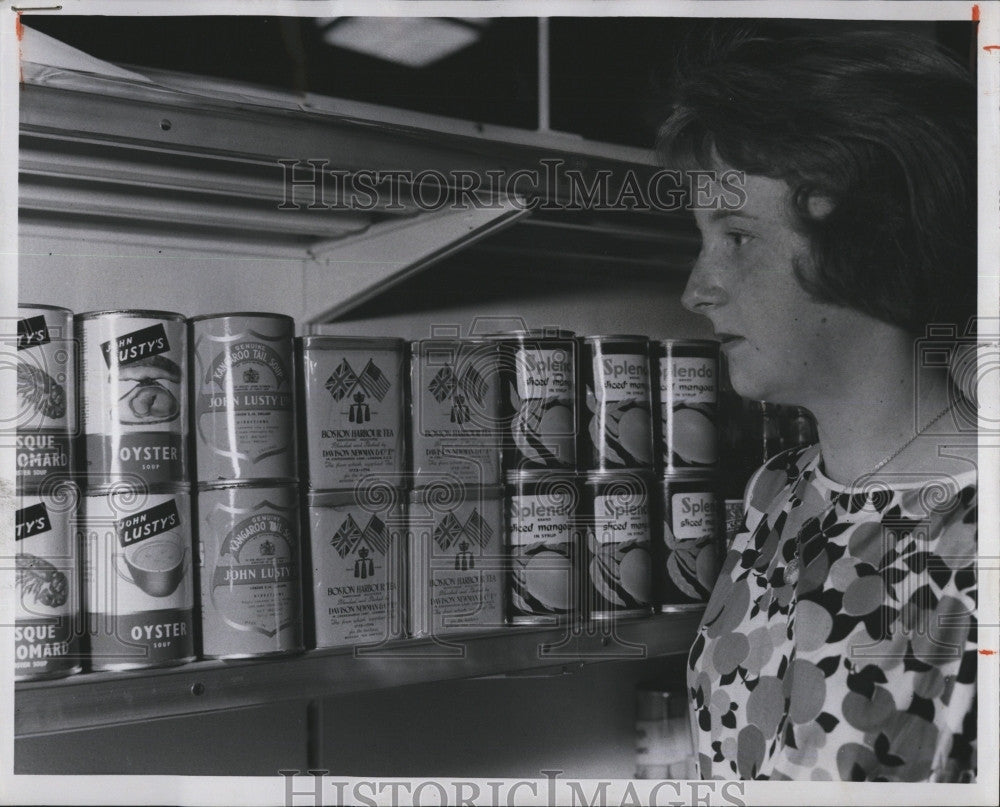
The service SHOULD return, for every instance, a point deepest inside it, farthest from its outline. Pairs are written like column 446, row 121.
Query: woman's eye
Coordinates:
column 738, row 238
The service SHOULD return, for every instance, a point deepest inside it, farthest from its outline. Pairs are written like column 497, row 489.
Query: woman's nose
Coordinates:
column 703, row 291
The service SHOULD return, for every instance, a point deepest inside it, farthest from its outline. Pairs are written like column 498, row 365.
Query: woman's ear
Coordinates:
column 819, row 206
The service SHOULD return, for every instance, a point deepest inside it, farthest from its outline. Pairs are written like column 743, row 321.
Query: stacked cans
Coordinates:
column 688, row 549
column 250, row 550
column 353, row 438
column 455, row 559
column 137, row 529
column 47, row 590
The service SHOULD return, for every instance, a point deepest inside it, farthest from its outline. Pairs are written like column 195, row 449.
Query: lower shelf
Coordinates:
column 102, row 699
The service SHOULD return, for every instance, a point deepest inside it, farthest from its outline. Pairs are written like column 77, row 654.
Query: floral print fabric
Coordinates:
column 839, row 642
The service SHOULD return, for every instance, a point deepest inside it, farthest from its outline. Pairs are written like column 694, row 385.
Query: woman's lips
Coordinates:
column 728, row 339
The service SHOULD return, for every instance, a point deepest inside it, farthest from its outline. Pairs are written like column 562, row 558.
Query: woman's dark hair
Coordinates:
column 881, row 124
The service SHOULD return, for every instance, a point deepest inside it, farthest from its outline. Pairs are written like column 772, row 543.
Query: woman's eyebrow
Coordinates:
column 722, row 213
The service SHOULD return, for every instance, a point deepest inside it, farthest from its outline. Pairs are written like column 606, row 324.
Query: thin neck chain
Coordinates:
column 883, row 462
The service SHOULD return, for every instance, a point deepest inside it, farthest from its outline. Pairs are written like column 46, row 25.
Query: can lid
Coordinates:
column 616, row 337
column 643, row 476
column 520, row 475
column 454, row 495
column 340, row 498
column 709, row 343
column 419, row 346
column 255, row 314
column 349, row 342
column 695, row 475
column 125, row 489
column 42, row 307
column 226, row 484
column 532, row 333
column 132, row 313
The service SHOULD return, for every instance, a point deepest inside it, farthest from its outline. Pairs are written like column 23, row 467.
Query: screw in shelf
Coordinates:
column 198, row 689
column 165, row 125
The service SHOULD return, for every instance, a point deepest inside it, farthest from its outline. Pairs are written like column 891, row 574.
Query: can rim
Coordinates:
column 416, row 345
column 155, row 489
column 616, row 337
column 598, row 475
column 479, row 492
column 323, row 341
column 255, row 314
column 531, row 333
column 45, row 307
column 227, row 484
column 535, row 474
column 132, row 313
column 329, row 498
column 714, row 343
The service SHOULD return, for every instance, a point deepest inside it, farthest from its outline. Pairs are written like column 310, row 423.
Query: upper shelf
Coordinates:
column 101, row 699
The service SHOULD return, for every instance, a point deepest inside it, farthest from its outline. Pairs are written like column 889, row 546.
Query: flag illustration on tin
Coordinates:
column 451, row 532
column 458, row 387
column 351, row 538
column 370, row 382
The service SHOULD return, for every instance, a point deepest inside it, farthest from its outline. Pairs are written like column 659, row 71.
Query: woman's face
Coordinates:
column 780, row 343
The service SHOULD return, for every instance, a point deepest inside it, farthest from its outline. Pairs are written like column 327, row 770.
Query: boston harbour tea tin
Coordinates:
column 357, row 540
column 539, row 372
column 456, row 561
column 543, row 541
column 619, row 429
column 46, row 369
column 139, row 592
column 251, row 562
column 353, row 401
column 616, row 509
column 243, row 396
column 47, row 598
column 689, row 389
column 688, row 553
column 455, row 411
column 135, row 398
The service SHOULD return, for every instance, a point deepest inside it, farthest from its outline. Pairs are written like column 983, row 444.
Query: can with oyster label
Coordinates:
column 687, row 554
column 456, row 566
column 357, row 542
column 251, row 569
column 617, row 510
column 539, row 371
column 688, row 404
column 619, row 432
column 244, row 393
column 543, row 543
column 456, row 411
column 134, row 410
column 353, row 401
column 46, row 369
column 139, row 586
column 47, row 626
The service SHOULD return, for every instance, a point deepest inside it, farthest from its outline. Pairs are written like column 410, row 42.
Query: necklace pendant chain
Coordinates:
column 883, row 462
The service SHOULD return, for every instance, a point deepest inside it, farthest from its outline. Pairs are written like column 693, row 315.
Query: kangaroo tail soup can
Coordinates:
column 47, row 593
column 689, row 394
column 456, row 411
column 543, row 542
column 357, row 541
column 540, row 390
column 456, row 564
column 353, row 399
column 617, row 511
column 46, row 369
column 688, row 551
column 619, row 431
column 135, row 396
column 138, row 573
column 244, row 391
column 251, row 569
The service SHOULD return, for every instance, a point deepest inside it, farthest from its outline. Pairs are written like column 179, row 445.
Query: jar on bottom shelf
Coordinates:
column 664, row 748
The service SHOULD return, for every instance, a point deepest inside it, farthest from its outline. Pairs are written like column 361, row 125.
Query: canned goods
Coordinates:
column 42, row 458
column 353, row 402
column 244, row 396
column 617, row 508
column 456, row 564
column 47, row 625
column 46, row 369
column 251, row 569
column 456, row 411
column 137, row 573
column 543, row 540
column 619, row 433
column 539, row 389
column 134, row 381
column 689, row 390
column 357, row 543
column 688, row 554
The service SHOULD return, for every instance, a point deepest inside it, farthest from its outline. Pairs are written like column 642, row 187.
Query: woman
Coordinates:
column 839, row 642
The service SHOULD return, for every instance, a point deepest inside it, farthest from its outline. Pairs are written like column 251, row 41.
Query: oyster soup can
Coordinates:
column 688, row 552
column 688, row 404
column 543, row 543
column 539, row 370
column 243, row 397
column 619, row 431
column 353, row 402
column 139, row 585
column 251, row 569
column 456, row 566
column 357, row 540
column 46, row 369
column 133, row 372
column 47, row 597
column 456, row 411
column 617, row 510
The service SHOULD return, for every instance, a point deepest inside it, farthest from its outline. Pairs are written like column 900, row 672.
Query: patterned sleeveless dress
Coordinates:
column 839, row 642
